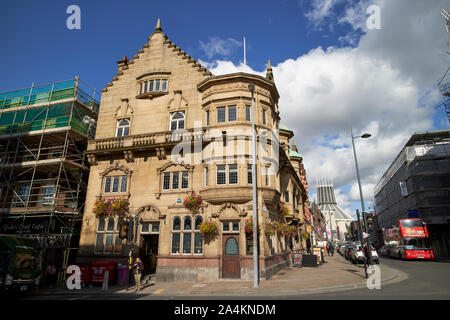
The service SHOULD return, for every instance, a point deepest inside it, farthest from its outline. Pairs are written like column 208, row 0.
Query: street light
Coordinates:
column 251, row 87
column 364, row 136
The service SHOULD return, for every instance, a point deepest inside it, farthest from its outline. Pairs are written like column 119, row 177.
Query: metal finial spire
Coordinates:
column 158, row 25
column 269, row 73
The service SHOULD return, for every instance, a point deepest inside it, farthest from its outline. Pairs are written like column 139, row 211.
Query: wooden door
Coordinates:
column 231, row 266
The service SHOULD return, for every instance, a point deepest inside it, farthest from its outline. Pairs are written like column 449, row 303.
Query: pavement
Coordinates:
column 334, row 275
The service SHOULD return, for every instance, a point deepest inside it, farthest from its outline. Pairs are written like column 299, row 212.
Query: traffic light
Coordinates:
column 123, row 234
column 130, row 231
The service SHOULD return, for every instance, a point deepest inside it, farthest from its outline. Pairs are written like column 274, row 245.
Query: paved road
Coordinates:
column 425, row 280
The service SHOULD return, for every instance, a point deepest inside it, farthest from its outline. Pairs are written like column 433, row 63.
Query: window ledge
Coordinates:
column 151, row 95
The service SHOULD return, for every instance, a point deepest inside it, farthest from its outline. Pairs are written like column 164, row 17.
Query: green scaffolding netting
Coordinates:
column 55, row 116
column 47, row 93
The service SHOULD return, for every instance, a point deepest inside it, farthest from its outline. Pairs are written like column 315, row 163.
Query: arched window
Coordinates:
column 198, row 222
column 176, row 235
column 198, row 237
column 177, row 121
column 231, row 247
column 107, row 238
column 176, row 224
column 123, row 128
column 188, row 231
column 187, row 235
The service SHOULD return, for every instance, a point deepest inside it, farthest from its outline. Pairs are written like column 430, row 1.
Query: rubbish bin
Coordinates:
column 122, row 274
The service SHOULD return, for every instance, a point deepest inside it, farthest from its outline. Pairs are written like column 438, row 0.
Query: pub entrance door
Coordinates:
column 149, row 252
column 231, row 265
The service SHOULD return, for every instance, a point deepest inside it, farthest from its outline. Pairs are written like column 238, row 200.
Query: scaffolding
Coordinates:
column 444, row 88
column 43, row 168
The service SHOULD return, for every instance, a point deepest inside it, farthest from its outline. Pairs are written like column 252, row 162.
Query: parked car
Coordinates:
column 395, row 251
column 341, row 249
column 375, row 257
column 384, row 250
column 347, row 251
column 357, row 254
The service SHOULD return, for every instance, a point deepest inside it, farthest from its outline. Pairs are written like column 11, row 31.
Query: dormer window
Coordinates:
column 153, row 86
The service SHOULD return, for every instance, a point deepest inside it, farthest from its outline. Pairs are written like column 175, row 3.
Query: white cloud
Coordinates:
column 356, row 15
column 320, row 11
column 384, row 86
column 216, row 46
column 218, row 67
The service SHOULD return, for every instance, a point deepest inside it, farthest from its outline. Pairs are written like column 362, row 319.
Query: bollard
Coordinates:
column 105, row 281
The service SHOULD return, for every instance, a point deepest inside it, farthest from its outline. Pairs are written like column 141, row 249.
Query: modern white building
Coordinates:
column 336, row 219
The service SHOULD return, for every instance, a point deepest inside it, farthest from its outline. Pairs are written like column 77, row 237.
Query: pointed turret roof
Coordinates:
column 158, row 25
column 269, row 73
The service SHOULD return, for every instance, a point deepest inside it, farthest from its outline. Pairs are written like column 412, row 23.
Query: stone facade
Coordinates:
column 159, row 138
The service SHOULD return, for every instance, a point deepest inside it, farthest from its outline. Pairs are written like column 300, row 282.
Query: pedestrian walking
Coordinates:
column 50, row 275
column 138, row 267
column 328, row 249
column 332, row 249
column 366, row 252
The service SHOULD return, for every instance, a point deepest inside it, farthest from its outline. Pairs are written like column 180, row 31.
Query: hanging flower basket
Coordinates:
column 120, row 207
column 274, row 227
column 209, row 228
column 289, row 231
column 113, row 206
column 102, row 208
column 270, row 229
column 249, row 226
column 193, row 203
column 305, row 235
column 284, row 210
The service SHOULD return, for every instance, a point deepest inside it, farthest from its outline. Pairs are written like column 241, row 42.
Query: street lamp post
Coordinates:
column 331, row 227
column 251, row 87
column 364, row 136
column 361, row 239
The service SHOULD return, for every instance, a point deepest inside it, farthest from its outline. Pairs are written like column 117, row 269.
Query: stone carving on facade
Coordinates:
column 178, row 101
column 229, row 211
column 116, row 167
column 128, row 156
column 92, row 159
column 161, row 153
column 149, row 212
column 124, row 110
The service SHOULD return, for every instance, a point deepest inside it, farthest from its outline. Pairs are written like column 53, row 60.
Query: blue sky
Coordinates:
column 331, row 71
column 37, row 46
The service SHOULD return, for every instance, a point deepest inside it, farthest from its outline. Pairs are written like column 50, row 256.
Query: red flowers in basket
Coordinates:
column 193, row 202
column 113, row 206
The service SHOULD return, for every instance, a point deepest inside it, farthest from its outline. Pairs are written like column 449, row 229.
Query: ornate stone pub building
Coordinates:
column 162, row 99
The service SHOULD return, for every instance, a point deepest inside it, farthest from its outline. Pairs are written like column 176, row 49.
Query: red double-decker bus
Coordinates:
column 410, row 240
